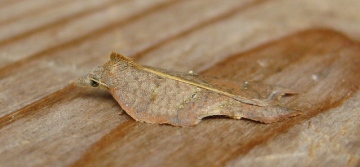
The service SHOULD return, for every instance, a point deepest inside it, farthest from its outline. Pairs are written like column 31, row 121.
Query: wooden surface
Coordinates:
column 309, row 46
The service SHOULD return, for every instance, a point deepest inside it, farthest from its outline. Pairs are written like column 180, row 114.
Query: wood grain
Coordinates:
column 46, row 122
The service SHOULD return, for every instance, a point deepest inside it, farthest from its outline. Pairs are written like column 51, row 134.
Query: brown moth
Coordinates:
column 154, row 95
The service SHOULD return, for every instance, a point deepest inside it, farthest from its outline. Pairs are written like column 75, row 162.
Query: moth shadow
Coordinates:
column 216, row 118
column 95, row 94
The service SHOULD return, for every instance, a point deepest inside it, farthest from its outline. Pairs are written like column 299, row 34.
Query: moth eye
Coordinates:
column 94, row 83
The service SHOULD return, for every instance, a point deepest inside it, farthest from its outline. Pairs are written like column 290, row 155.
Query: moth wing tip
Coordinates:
column 72, row 82
column 114, row 56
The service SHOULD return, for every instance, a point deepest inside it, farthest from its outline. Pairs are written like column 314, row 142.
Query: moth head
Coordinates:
column 92, row 79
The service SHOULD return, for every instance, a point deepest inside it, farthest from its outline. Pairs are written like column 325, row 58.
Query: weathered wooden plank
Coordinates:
column 267, row 21
column 329, row 139
column 62, row 125
column 62, row 31
column 191, row 146
column 67, row 10
column 58, row 133
column 65, row 63
column 6, row 3
column 14, row 11
column 323, row 54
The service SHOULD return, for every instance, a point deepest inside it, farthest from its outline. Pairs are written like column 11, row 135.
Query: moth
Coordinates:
column 161, row 96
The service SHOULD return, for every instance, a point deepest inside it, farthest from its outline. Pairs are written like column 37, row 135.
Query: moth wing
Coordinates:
column 250, row 92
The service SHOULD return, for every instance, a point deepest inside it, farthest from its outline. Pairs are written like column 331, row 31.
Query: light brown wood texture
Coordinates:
column 309, row 46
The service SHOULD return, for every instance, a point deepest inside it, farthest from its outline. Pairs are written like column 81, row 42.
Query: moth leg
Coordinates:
column 269, row 114
column 277, row 94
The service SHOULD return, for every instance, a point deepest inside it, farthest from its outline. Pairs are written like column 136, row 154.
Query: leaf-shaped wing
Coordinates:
column 254, row 93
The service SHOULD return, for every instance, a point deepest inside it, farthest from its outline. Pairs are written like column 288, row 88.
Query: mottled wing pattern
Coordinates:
column 250, row 92
column 148, row 97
